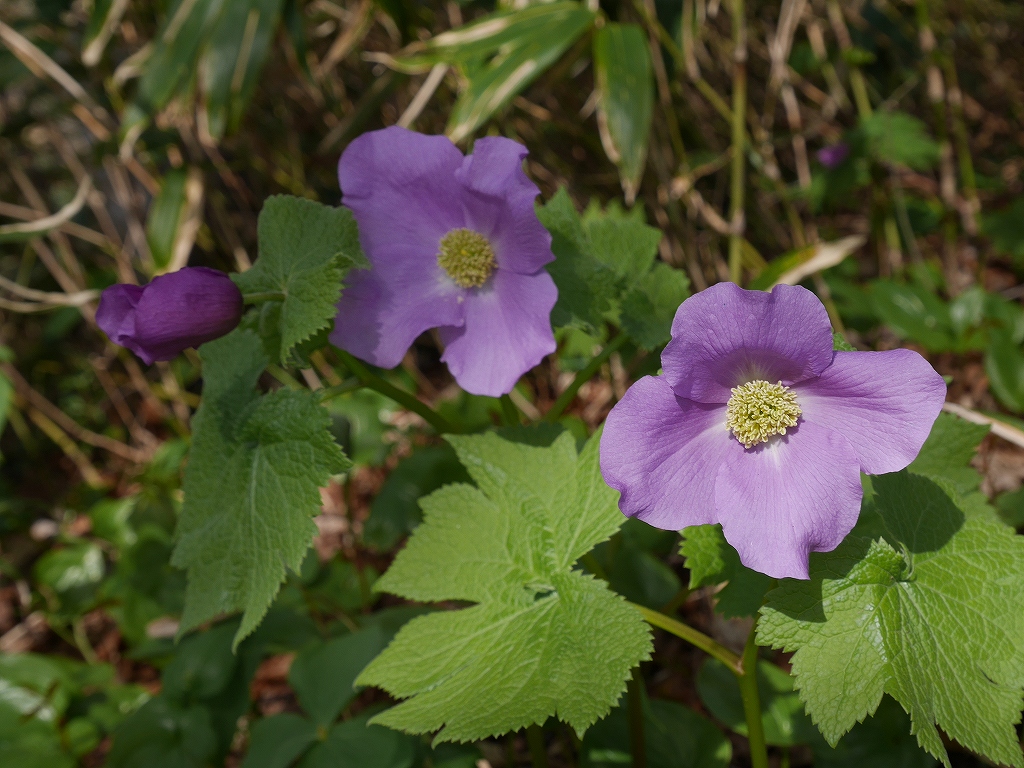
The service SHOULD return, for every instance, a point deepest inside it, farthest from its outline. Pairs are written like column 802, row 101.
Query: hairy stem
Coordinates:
column 584, row 376
column 747, row 679
column 693, row 637
column 400, row 396
column 739, row 111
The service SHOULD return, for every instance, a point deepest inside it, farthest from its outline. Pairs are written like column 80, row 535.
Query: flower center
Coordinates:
column 467, row 257
column 757, row 410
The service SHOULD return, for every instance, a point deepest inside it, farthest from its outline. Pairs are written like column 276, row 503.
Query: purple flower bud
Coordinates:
column 175, row 311
column 833, row 156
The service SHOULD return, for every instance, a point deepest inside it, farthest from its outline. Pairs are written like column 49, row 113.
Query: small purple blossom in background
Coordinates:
column 757, row 424
column 454, row 244
column 173, row 312
column 833, row 156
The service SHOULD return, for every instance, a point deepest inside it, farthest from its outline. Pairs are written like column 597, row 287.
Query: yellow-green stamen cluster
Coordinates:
column 467, row 257
column 757, row 410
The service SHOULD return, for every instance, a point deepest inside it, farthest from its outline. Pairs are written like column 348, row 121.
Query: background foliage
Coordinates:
column 138, row 137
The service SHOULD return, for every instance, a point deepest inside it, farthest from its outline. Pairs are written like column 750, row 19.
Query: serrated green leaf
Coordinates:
column 543, row 640
column 931, row 613
column 840, row 343
column 251, row 485
column 625, row 83
column 650, row 306
column 712, row 560
column 598, row 258
column 947, row 452
column 305, row 249
column 586, row 286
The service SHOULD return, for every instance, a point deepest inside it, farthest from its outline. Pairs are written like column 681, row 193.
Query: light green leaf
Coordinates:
column 305, row 249
column 925, row 602
column 543, row 640
column 625, row 82
column 487, row 36
column 251, row 485
column 946, row 454
column 234, row 57
column 712, row 560
column 496, row 83
column 164, row 216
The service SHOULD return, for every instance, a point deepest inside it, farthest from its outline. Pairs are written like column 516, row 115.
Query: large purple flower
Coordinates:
column 759, row 425
column 174, row 311
column 454, row 244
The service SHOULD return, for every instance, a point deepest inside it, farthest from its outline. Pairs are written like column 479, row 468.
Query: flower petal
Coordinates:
column 661, row 452
column 780, row 501
column 401, row 187
column 883, row 403
column 498, row 198
column 116, row 312
column 726, row 336
column 183, row 309
column 507, row 331
column 382, row 311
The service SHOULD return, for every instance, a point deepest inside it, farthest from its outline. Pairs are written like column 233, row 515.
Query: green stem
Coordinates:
column 739, row 111
column 400, row 396
column 692, row 636
column 258, row 298
column 635, row 705
column 284, row 377
column 535, row 740
column 584, row 376
column 747, row 679
column 329, row 393
column 509, row 413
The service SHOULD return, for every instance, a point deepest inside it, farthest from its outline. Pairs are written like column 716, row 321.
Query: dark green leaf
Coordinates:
column 276, row 742
column 947, row 453
column 305, row 249
column 650, row 306
column 712, row 560
column 251, row 485
column 323, row 675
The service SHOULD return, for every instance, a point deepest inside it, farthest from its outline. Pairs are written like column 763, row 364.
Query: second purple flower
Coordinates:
column 454, row 244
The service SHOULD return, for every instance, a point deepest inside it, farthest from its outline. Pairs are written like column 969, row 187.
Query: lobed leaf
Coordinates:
column 251, row 485
column 305, row 249
column 543, row 639
column 925, row 602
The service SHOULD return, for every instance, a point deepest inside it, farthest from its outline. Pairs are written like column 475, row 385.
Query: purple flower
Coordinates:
column 174, row 311
column 833, row 156
column 759, row 425
column 454, row 244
